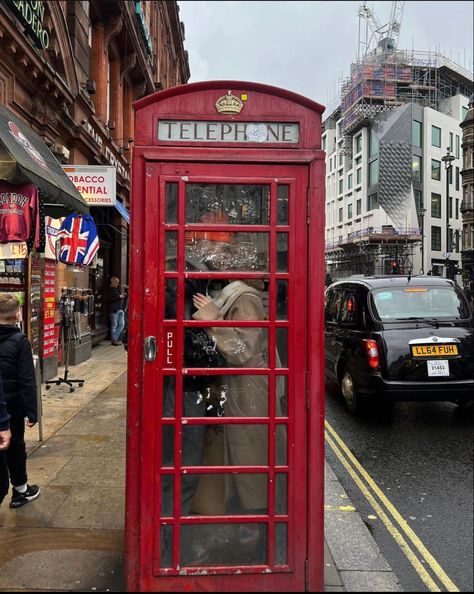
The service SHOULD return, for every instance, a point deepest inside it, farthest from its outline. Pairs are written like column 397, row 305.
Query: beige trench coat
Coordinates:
column 247, row 396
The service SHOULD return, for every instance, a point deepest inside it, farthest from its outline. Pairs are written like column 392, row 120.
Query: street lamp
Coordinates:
column 448, row 165
column 422, row 217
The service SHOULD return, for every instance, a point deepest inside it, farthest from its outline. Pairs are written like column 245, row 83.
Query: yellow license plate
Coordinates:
column 435, row 350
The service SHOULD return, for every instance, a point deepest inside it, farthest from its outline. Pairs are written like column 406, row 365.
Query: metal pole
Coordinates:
column 39, row 401
column 447, row 160
column 422, row 215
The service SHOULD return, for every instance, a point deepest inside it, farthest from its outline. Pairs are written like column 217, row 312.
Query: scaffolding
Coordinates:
column 385, row 79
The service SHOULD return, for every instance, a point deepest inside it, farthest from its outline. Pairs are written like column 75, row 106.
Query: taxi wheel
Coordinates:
column 349, row 392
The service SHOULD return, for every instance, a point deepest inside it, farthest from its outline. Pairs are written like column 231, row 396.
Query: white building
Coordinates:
column 385, row 178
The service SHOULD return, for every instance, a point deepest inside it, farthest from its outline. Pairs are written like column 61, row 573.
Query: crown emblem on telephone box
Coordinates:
column 229, row 104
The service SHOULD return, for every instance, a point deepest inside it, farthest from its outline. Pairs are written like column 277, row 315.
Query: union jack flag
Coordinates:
column 78, row 240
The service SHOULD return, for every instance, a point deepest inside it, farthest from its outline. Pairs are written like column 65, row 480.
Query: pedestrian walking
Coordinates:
column 116, row 313
column 19, row 384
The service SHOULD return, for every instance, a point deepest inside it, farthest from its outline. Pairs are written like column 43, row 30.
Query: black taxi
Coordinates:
column 399, row 338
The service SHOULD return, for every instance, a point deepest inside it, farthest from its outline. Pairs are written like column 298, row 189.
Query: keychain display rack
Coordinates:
column 72, row 304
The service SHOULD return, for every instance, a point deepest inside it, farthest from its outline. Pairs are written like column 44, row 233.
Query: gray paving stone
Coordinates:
column 370, row 581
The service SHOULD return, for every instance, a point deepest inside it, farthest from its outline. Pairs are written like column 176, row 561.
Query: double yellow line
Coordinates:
column 383, row 507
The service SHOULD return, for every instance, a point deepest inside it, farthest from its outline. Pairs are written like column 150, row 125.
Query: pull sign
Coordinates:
column 150, row 348
column 170, row 347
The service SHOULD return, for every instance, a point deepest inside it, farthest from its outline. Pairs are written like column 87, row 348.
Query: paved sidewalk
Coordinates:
column 71, row 537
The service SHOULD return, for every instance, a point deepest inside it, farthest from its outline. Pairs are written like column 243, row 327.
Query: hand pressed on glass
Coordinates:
column 200, row 300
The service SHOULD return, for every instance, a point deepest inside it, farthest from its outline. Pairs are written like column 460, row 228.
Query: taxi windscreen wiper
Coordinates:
column 432, row 321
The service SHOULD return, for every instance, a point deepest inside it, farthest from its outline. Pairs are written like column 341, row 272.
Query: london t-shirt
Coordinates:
column 19, row 212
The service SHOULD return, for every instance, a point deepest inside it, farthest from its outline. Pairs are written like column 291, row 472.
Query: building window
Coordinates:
column 435, row 136
column 418, row 200
column 451, row 141
column 457, row 178
column 324, row 143
column 457, row 208
column 373, row 172
column 341, row 214
column 359, row 176
column 373, row 143
column 436, row 239
column 464, row 111
column 435, row 169
column 458, row 147
column 341, row 186
column 107, row 95
column 349, row 211
column 416, row 131
column 349, row 181
column 358, row 207
column 341, row 157
column 450, row 207
column 416, row 168
column 358, row 161
column 436, row 206
column 373, row 201
column 358, row 143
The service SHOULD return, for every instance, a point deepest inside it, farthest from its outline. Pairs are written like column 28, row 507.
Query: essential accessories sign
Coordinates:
column 96, row 183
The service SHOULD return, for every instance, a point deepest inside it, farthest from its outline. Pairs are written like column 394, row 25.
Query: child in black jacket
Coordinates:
column 19, row 384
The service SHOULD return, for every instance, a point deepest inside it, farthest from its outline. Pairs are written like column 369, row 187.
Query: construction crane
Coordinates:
column 385, row 36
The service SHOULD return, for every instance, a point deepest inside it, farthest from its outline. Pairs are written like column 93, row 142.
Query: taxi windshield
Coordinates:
column 403, row 303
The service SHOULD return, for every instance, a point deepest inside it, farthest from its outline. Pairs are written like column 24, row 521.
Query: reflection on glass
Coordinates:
column 215, row 493
column 226, row 251
column 167, row 490
column 168, row 446
column 226, row 347
column 282, row 300
column 236, row 204
column 168, row 395
column 171, row 285
column 282, row 208
column 281, row 458
column 281, row 539
column 282, row 347
column 166, row 539
column 282, row 395
column 281, row 497
column 171, row 203
column 171, row 250
column 223, row 544
column 282, row 252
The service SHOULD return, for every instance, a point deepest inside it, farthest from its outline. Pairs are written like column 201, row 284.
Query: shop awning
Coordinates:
column 25, row 157
column 123, row 211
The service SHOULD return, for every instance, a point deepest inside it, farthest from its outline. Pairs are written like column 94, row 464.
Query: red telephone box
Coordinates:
column 225, row 451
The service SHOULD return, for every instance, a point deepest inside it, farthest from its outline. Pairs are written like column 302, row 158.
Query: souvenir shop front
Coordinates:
column 48, row 244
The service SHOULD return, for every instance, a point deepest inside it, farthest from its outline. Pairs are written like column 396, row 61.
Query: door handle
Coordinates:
column 150, row 348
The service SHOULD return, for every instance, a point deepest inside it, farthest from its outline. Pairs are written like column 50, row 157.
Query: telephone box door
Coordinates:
column 225, row 489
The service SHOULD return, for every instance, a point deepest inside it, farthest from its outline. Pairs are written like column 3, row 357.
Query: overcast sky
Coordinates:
column 307, row 47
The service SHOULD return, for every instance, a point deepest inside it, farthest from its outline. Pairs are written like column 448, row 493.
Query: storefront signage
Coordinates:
column 203, row 131
column 142, row 25
column 112, row 159
column 49, row 314
column 96, row 183
column 31, row 14
column 16, row 250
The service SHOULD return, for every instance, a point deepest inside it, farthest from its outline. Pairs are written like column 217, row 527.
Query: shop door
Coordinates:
column 224, row 485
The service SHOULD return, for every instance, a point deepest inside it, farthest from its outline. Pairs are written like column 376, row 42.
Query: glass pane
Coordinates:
column 226, row 251
column 166, row 538
column 282, row 300
column 281, row 458
column 171, row 250
column 171, row 203
column 171, row 286
column 168, row 446
column 281, row 494
column 282, row 347
column 168, row 395
column 227, row 204
column 223, row 544
column 225, row 347
column 226, row 445
column 282, row 205
column 232, row 395
column 282, row 252
column 220, row 494
column 282, row 396
column 281, row 540
column 167, row 489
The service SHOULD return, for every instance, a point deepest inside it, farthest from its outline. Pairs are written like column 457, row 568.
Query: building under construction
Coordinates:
column 381, row 143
